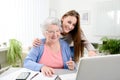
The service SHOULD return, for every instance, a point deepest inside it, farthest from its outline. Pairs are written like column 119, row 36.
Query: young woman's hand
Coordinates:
column 92, row 53
column 36, row 42
column 47, row 71
column 71, row 64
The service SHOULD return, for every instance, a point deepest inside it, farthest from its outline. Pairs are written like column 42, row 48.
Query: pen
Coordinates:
column 34, row 76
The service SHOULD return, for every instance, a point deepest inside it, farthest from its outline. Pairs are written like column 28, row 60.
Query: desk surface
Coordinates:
column 9, row 71
column 12, row 73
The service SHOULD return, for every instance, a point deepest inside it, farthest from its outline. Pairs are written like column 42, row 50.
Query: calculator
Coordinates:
column 23, row 76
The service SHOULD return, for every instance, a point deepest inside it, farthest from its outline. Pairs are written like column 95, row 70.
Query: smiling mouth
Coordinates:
column 67, row 29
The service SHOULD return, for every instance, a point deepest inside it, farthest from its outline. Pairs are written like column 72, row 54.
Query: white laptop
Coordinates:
column 99, row 68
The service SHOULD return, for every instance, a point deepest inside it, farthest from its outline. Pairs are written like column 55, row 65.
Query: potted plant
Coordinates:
column 110, row 46
column 14, row 52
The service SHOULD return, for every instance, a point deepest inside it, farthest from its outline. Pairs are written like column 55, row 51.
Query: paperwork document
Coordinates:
column 13, row 75
column 71, row 76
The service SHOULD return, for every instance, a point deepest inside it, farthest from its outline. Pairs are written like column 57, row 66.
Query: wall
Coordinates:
column 90, row 29
column 107, row 19
column 21, row 19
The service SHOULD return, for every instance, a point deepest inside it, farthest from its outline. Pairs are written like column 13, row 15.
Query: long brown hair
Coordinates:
column 76, row 35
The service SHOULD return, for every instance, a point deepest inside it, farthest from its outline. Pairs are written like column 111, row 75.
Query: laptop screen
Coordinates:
column 99, row 68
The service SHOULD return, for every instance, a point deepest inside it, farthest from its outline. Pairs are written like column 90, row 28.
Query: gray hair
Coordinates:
column 51, row 21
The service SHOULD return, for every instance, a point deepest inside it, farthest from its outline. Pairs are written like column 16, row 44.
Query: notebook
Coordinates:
column 99, row 68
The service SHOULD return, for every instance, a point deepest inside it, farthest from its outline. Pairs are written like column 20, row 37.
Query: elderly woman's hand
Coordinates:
column 71, row 64
column 47, row 71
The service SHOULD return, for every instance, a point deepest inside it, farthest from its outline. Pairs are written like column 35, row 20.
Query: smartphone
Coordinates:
column 23, row 76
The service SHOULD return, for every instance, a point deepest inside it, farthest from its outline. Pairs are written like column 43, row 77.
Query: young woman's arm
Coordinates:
column 37, row 42
column 90, row 48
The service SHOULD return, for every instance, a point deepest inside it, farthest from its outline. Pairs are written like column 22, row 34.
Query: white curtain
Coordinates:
column 21, row 19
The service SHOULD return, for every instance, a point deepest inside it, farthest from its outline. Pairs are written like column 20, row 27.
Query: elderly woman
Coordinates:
column 53, row 53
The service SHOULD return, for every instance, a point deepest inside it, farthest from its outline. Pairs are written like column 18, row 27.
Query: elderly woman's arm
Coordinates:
column 31, row 61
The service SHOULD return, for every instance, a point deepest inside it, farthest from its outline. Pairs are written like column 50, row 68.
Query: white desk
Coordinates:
column 12, row 73
column 9, row 71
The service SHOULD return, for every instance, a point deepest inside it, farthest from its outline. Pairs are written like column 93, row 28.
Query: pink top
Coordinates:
column 51, row 59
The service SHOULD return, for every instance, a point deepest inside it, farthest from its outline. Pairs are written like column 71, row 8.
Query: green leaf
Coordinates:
column 14, row 51
column 109, row 45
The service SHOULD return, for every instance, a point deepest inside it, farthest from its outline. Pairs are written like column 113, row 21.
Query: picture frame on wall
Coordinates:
column 84, row 17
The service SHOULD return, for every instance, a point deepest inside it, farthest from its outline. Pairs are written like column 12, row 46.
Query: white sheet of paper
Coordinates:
column 71, row 76
column 40, row 76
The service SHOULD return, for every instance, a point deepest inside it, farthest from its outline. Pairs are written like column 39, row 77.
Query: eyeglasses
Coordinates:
column 53, row 32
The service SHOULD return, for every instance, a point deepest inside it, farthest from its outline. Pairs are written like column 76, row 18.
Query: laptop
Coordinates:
column 99, row 68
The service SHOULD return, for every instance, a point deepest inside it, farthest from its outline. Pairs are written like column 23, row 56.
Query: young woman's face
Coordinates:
column 68, row 23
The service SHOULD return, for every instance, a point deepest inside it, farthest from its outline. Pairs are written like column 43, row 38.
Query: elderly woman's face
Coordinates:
column 53, row 33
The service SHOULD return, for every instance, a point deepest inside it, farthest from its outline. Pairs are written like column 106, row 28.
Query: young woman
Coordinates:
column 54, row 53
column 72, row 33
